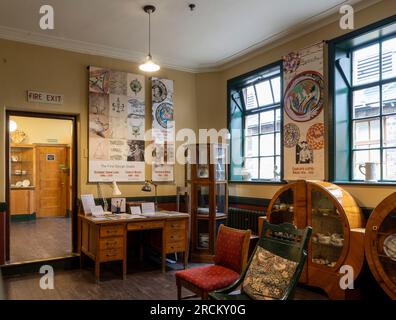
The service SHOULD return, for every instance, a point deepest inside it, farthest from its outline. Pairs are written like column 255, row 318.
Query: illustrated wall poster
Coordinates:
column 116, row 126
column 163, row 130
column 303, row 130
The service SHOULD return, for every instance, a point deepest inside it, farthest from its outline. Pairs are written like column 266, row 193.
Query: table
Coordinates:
column 105, row 239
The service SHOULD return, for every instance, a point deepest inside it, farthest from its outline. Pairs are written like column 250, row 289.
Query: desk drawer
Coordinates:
column 175, row 246
column 111, row 231
column 111, row 255
column 176, row 225
column 145, row 225
column 175, row 235
column 111, row 243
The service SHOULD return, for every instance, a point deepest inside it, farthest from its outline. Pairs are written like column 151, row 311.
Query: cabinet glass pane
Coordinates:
column 387, row 246
column 283, row 208
column 220, row 199
column 220, row 162
column 203, row 200
column 328, row 233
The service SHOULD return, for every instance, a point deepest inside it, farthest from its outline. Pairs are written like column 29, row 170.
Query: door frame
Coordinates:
column 74, row 161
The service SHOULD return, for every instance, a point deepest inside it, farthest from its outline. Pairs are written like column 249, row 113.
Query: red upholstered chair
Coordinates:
column 230, row 260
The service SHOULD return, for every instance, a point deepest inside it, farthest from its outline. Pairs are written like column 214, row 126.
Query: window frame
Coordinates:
column 365, row 37
column 238, row 84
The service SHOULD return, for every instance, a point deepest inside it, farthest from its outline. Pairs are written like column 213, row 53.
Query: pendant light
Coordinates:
column 149, row 65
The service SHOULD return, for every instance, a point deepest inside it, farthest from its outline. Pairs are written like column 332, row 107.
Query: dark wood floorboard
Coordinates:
column 151, row 284
column 40, row 239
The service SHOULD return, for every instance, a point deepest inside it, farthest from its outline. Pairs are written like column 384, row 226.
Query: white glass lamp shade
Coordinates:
column 116, row 190
column 149, row 65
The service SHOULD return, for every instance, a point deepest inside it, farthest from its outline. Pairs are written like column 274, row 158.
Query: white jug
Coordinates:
column 370, row 171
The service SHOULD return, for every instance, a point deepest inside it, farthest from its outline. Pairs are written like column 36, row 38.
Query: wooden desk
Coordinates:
column 106, row 240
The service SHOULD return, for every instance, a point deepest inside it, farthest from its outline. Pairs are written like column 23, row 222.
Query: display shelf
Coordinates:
column 206, row 173
column 380, row 244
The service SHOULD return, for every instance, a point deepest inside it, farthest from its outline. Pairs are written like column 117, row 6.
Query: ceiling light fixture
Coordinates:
column 149, row 65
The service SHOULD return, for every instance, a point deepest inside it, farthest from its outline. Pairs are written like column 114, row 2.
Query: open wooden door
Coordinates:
column 52, row 180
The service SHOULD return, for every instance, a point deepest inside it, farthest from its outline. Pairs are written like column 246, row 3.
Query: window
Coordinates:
column 255, row 118
column 364, row 87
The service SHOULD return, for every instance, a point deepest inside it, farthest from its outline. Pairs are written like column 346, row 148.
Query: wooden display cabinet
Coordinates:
column 338, row 234
column 22, row 179
column 206, row 178
column 380, row 244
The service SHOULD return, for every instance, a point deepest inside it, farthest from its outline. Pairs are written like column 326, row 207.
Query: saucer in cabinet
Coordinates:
column 390, row 246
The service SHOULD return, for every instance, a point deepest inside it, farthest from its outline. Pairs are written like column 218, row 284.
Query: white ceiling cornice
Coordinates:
column 309, row 25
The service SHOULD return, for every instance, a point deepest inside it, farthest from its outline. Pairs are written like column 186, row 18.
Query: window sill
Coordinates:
column 362, row 183
column 264, row 182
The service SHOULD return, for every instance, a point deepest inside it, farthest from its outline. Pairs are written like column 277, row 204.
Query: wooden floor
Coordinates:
column 151, row 284
column 40, row 239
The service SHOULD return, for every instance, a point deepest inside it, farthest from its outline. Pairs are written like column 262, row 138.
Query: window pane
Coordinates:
column 278, row 168
column 389, row 97
column 278, row 119
column 267, row 121
column 267, row 168
column 264, row 94
column 251, row 146
column 389, row 129
column 389, row 166
column 360, row 157
column 389, row 59
column 276, row 88
column 251, row 125
column 252, row 167
column 366, row 103
column 250, row 98
column 366, row 65
column 267, row 147
column 277, row 143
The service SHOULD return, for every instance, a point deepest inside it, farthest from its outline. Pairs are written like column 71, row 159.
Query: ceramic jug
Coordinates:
column 370, row 171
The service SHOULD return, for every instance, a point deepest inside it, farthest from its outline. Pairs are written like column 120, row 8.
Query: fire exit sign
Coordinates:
column 44, row 97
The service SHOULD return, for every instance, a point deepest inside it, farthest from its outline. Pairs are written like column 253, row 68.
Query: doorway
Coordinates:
column 41, row 186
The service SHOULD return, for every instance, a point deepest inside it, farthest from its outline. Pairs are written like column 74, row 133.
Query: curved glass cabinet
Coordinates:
column 337, row 224
column 380, row 244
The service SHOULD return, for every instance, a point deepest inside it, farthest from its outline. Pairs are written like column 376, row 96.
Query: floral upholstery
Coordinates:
column 268, row 275
column 209, row 278
column 229, row 248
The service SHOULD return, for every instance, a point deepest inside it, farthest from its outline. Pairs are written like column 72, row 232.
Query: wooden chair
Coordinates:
column 230, row 260
column 274, row 268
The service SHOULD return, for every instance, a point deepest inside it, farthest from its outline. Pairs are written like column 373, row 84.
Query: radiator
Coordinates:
column 244, row 219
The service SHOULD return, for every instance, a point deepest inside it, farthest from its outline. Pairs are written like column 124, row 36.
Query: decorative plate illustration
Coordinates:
column 163, row 114
column 18, row 136
column 390, row 246
column 291, row 135
column 291, row 62
column 159, row 91
column 135, row 86
column 315, row 136
column 99, row 80
column 304, row 96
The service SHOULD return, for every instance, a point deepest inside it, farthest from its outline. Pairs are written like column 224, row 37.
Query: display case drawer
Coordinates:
column 146, row 225
column 111, row 243
column 111, row 254
column 111, row 231
column 176, row 225
column 175, row 246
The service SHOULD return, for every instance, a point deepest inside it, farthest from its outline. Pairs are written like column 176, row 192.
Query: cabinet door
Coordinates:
column 330, row 238
column 22, row 202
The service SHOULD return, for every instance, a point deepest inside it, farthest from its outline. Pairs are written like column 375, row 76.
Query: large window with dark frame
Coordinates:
column 365, row 85
column 255, row 108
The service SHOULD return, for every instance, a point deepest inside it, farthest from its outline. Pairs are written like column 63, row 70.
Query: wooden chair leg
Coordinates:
column 178, row 284
column 205, row 295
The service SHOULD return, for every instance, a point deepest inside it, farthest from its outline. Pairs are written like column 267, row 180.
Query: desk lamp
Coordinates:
column 147, row 188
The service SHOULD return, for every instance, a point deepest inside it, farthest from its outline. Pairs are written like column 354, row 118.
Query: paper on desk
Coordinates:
column 99, row 218
column 88, row 202
column 148, row 207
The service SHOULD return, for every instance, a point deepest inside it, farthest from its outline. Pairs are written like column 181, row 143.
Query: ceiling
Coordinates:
column 215, row 33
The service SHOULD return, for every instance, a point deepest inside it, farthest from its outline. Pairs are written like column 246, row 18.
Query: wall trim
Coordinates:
column 261, row 202
column 3, row 207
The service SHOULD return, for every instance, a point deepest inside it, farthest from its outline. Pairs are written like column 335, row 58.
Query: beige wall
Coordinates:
column 29, row 67
column 212, row 98
column 40, row 130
